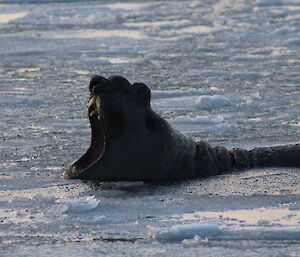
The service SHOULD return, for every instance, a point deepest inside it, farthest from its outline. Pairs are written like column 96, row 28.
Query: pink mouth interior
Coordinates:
column 96, row 148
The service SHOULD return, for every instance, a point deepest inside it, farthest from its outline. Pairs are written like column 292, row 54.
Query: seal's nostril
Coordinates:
column 97, row 80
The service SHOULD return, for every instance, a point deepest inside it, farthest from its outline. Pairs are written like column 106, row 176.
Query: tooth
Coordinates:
column 97, row 103
column 93, row 113
column 74, row 170
column 66, row 175
column 92, row 101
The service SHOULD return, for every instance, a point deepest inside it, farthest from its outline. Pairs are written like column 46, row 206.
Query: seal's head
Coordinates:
column 123, row 128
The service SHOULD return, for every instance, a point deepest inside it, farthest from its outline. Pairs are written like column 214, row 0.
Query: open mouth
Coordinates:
column 106, row 115
column 98, row 143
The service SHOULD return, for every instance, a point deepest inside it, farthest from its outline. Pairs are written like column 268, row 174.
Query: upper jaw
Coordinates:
column 98, row 80
column 94, row 106
column 99, row 84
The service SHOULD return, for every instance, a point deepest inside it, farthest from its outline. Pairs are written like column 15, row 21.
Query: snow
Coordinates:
column 82, row 204
column 226, row 72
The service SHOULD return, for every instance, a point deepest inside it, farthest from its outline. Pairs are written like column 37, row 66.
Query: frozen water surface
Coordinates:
column 223, row 71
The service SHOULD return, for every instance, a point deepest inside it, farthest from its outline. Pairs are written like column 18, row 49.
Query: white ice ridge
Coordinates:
column 78, row 205
column 181, row 232
column 213, row 102
column 158, row 94
column 188, row 99
column 198, row 120
column 214, row 232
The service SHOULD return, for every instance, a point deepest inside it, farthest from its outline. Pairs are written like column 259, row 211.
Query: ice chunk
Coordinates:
column 82, row 204
column 195, row 241
column 181, row 232
column 213, row 102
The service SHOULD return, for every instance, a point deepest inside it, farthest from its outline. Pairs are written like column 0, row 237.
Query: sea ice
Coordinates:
column 158, row 94
column 78, row 205
column 213, row 102
column 13, row 100
column 198, row 120
column 214, row 232
column 181, row 232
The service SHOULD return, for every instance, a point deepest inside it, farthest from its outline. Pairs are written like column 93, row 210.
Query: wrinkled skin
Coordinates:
column 131, row 142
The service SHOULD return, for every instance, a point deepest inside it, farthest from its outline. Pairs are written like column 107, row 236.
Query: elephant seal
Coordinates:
column 132, row 142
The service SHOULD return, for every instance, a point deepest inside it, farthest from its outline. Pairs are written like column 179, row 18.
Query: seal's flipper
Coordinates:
column 276, row 156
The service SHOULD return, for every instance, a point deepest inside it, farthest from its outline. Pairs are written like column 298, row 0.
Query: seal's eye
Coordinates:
column 143, row 94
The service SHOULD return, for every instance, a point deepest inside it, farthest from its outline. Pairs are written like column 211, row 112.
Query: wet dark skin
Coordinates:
column 131, row 142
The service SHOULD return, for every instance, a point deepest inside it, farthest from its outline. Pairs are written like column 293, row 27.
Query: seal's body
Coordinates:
column 132, row 142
